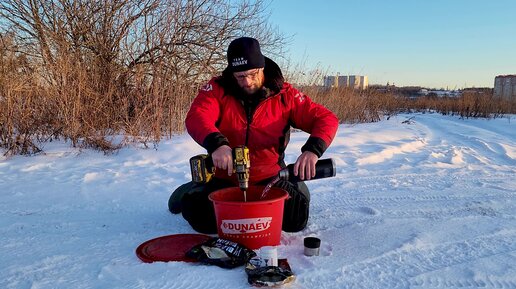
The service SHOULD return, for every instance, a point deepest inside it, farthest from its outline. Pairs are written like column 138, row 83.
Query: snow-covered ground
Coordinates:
column 429, row 203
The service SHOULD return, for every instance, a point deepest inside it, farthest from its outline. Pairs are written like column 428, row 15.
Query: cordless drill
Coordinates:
column 203, row 169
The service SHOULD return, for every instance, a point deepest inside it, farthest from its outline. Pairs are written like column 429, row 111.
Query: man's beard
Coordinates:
column 250, row 90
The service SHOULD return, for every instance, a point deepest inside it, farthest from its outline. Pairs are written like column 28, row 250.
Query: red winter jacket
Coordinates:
column 218, row 116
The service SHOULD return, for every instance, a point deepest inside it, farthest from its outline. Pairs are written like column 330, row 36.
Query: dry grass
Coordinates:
column 470, row 104
column 87, row 108
column 350, row 106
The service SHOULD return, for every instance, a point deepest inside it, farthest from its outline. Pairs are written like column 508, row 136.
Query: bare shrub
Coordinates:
column 21, row 110
column 94, row 69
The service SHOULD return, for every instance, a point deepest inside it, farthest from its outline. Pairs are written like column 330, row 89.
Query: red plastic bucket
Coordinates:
column 255, row 223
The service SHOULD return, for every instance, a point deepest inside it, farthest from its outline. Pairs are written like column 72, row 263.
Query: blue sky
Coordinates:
column 433, row 43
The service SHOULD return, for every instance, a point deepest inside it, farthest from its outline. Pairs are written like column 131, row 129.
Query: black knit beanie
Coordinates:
column 244, row 53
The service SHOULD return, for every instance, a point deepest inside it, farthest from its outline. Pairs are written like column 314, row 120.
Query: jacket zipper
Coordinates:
column 247, row 110
column 249, row 119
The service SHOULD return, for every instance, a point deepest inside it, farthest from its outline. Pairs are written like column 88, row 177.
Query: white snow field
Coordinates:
column 419, row 201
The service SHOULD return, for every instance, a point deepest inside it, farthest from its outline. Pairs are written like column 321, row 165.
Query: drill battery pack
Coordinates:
column 202, row 168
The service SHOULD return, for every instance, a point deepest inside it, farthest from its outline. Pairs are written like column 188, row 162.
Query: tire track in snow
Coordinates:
column 363, row 210
column 477, row 282
column 389, row 182
column 404, row 267
column 353, row 202
column 462, row 197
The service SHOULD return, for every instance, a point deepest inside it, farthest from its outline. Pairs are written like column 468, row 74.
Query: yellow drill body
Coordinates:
column 241, row 165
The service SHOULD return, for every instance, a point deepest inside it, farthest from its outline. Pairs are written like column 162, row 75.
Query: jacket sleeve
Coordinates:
column 202, row 117
column 315, row 119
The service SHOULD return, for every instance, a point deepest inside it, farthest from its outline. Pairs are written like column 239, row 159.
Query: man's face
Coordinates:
column 250, row 80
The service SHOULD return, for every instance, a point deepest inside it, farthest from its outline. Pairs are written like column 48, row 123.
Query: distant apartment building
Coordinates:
column 331, row 81
column 505, row 86
column 354, row 81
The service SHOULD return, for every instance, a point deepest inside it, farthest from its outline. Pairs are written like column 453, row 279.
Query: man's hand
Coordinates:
column 305, row 165
column 223, row 158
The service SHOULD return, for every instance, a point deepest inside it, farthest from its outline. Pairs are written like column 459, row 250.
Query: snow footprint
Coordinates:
column 368, row 211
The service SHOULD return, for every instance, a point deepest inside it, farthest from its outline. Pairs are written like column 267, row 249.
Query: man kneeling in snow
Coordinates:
column 251, row 105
